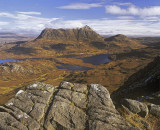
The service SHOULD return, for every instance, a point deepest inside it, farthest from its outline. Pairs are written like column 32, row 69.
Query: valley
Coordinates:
column 74, row 55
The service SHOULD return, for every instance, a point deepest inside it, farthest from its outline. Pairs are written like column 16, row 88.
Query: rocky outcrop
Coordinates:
column 78, row 34
column 155, row 110
column 14, row 68
column 136, row 107
column 69, row 106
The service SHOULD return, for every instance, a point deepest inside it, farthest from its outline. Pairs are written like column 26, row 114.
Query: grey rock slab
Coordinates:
column 99, row 118
column 82, row 88
column 99, row 96
column 24, row 106
column 23, row 117
column 8, row 122
column 79, row 99
column 41, row 86
column 67, row 94
column 67, row 116
column 38, row 111
column 66, row 85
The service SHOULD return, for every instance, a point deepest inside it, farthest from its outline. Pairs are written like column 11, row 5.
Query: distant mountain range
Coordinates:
column 89, row 36
column 7, row 37
column 73, row 41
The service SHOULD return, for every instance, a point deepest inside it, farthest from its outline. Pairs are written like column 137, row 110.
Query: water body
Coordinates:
column 97, row 59
column 11, row 60
column 73, row 67
column 94, row 60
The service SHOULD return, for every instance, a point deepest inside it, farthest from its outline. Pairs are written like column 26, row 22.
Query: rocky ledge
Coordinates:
column 64, row 107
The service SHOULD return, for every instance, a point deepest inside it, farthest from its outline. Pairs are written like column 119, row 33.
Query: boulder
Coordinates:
column 155, row 110
column 136, row 107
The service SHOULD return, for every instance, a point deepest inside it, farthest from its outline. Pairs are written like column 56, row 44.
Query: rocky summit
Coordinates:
column 77, row 34
column 64, row 107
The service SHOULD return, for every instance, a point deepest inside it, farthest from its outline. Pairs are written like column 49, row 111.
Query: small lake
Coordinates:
column 94, row 60
column 73, row 67
column 11, row 60
column 97, row 59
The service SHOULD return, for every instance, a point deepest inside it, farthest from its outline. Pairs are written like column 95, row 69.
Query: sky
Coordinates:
column 106, row 17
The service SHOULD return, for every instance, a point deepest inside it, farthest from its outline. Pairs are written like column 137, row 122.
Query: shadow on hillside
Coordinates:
column 134, row 53
column 99, row 45
column 58, row 47
column 17, row 50
column 18, row 42
column 140, row 83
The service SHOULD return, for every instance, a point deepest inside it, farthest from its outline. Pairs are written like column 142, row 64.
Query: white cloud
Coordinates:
column 122, row 4
column 133, row 10
column 25, row 21
column 113, row 27
column 128, row 25
column 30, row 13
column 4, row 23
column 6, row 14
column 126, row 17
column 80, row 6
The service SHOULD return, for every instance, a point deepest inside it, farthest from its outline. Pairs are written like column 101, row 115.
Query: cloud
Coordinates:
column 113, row 27
column 126, row 17
column 133, row 10
column 30, row 13
column 128, row 25
column 6, row 14
column 25, row 21
column 4, row 23
column 80, row 6
column 122, row 4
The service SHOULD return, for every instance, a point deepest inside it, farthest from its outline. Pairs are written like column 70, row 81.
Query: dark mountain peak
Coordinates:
column 121, row 35
column 86, row 27
column 76, row 34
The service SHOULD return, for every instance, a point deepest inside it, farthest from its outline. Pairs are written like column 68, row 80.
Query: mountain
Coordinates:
column 52, row 42
column 78, row 34
column 124, row 42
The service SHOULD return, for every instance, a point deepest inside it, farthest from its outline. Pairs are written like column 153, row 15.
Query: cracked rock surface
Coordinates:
column 66, row 107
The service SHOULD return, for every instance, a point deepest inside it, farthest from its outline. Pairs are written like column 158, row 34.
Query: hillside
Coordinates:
column 123, row 41
column 143, row 85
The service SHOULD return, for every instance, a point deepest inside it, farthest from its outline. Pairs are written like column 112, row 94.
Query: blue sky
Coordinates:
column 107, row 17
